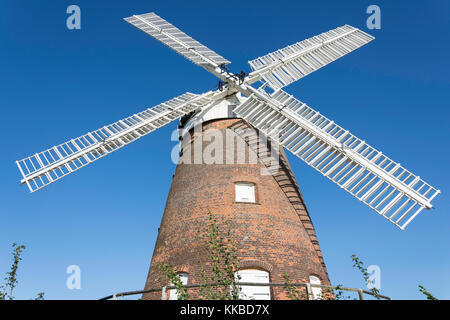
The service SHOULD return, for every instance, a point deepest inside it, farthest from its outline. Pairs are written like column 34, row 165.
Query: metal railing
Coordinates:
column 308, row 287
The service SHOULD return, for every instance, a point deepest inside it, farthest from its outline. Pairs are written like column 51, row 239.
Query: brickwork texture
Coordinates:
column 274, row 234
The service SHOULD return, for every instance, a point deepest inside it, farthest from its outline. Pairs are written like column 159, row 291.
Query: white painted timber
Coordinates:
column 284, row 66
column 176, row 39
column 382, row 184
column 221, row 108
column 41, row 169
column 253, row 292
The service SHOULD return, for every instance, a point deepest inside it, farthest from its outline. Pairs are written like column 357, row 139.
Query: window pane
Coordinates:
column 245, row 192
column 184, row 277
column 317, row 292
column 254, row 292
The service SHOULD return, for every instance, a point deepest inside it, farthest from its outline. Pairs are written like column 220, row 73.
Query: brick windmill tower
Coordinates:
column 227, row 168
column 247, row 185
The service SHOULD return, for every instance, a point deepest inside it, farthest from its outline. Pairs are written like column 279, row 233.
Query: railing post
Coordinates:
column 361, row 294
column 164, row 293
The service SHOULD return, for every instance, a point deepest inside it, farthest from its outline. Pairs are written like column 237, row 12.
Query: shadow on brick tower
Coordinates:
column 222, row 156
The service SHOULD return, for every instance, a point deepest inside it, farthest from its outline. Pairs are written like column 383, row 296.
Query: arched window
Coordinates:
column 245, row 192
column 316, row 291
column 254, row 292
column 184, row 280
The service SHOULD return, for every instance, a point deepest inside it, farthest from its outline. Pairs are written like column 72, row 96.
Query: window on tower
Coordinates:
column 245, row 192
column 253, row 292
column 316, row 291
column 184, row 277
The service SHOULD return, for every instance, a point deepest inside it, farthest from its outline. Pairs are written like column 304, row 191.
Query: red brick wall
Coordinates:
column 269, row 234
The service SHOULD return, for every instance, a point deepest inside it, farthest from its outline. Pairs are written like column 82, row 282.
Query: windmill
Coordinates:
column 366, row 173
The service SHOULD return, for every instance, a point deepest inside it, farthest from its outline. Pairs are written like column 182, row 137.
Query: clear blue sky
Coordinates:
column 56, row 84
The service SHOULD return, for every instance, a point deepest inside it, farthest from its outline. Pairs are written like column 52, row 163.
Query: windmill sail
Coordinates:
column 382, row 184
column 282, row 67
column 176, row 39
column 41, row 169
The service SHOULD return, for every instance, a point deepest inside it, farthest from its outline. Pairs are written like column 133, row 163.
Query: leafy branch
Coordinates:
column 293, row 292
column 175, row 280
column 426, row 293
column 221, row 283
column 11, row 278
column 7, row 289
column 358, row 264
column 339, row 293
column 224, row 264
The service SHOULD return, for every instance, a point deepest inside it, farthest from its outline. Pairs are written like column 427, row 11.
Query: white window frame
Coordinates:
column 316, row 291
column 244, row 192
column 253, row 292
column 184, row 277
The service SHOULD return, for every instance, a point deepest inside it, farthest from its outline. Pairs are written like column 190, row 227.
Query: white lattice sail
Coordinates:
column 176, row 39
column 367, row 174
column 382, row 184
column 41, row 169
column 284, row 66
